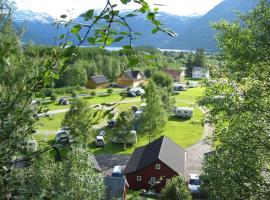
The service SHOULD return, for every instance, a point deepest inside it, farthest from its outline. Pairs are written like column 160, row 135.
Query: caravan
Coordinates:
column 183, row 112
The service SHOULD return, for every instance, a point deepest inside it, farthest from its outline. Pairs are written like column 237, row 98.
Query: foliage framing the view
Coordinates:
column 239, row 108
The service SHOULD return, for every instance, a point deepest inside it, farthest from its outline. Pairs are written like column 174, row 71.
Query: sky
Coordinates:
column 75, row 7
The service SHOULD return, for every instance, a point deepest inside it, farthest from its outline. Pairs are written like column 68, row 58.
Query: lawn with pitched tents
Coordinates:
column 183, row 132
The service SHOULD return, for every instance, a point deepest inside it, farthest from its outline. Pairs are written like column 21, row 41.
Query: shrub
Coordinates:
column 176, row 189
column 110, row 91
column 93, row 93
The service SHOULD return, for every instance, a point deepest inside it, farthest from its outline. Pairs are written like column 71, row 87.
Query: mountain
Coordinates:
column 200, row 34
column 37, row 27
column 194, row 31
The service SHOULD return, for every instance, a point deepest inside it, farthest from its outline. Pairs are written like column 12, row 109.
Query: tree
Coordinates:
column 154, row 117
column 72, row 178
column 24, row 72
column 189, row 66
column 124, row 126
column 199, row 59
column 79, row 120
column 73, row 76
column 162, row 80
column 176, row 189
column 241, row 116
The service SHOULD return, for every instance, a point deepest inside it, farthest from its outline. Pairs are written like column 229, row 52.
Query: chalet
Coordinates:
column 176, row 75
column 99, row 81
column 200, row 72
column 131, row 78
column 151, row 166
column 115, row 188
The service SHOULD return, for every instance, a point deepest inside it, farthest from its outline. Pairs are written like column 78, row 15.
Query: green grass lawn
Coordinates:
column 115, row 97
column 190, row 95
column 51, row 123
column 183, row 132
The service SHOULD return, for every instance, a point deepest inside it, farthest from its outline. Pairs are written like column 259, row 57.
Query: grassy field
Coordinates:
column 183, row 132
column 115, row 97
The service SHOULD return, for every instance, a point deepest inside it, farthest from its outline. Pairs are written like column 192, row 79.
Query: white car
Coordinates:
column 100, row 142
column 137, row 90
column 194, row 183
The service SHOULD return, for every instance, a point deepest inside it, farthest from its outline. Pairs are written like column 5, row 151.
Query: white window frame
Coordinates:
column 157, row 166
column 153, row 181
column 139, row 178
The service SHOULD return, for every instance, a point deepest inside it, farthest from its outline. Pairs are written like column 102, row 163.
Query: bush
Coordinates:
column 53, row 97
column 93, row 93
column 110, row 91
column 176, row 189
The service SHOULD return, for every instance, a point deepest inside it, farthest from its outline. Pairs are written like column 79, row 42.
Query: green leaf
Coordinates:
column 119, row 39
column 155, row 9
column 63, row 16
column 91, row 40
column 75, row 29
column 127, row 47
column 123, row 33
column 125, row 1
column 62, row 36
column 89, row 14
column 154, row 30
column 131, row 15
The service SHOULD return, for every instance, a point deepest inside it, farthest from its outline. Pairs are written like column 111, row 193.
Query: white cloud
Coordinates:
column 76, row 7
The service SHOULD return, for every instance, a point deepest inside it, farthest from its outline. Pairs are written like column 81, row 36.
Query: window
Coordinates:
column 157, row 166
column 168, row 181
column 139, row 178
column 153, row 181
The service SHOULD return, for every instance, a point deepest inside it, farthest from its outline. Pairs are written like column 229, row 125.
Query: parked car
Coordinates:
column 100, row 142
column 194, row 183
column 132, row 139
column 102, row 133
column 192, row 84
column 131, row 94
column 137, row 90
column 117, row 171
column 137, row 114
column 183, row 112
column 111, row 123
column 179, row 87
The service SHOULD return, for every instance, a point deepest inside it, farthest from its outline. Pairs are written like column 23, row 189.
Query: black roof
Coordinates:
column 133, row 74
column 99, row 79
column 163, row 149
column 95, row 163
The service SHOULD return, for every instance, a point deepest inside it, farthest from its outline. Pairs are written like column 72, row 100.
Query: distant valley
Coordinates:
column 193, row 31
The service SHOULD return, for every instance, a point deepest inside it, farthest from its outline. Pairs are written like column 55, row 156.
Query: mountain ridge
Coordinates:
column 194, row 32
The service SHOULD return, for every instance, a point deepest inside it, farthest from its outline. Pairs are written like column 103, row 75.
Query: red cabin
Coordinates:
column 152, row 165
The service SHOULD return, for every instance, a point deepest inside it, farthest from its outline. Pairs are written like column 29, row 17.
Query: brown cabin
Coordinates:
column 131, row 78
column 99, row 81
column 151, row 166
column 176, row 75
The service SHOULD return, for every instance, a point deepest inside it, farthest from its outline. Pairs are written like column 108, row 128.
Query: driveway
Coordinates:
column 195, row 153
column 108, row 161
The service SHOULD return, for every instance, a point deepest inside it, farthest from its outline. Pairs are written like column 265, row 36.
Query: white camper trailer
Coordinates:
column 183, row 112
